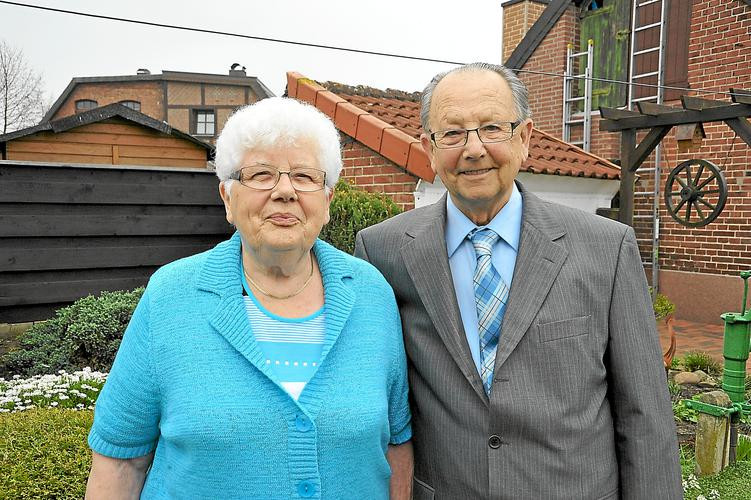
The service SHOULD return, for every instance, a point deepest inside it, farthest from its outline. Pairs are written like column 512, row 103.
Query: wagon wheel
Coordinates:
column 695, row 193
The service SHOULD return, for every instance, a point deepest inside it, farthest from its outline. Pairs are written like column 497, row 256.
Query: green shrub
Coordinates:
column 44, row 454
column 662, row 306
column 86, row 333
column 697, row 360
column 352, row 210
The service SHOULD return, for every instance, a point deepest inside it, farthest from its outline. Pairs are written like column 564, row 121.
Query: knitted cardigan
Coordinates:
column 190, row 383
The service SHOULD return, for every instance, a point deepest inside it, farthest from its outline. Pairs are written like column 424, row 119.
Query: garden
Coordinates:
column 50, row 380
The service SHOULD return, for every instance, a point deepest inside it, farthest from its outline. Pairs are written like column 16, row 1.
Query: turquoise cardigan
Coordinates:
column 190, row 383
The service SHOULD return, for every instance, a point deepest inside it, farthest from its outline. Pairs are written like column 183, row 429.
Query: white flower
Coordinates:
column 54, row 403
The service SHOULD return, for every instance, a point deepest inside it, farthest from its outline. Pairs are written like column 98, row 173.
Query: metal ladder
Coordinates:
column 657, row 97
column 570, row 99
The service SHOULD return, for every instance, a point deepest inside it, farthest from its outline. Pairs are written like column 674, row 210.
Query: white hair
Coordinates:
column 518, row 90
column 277, row 121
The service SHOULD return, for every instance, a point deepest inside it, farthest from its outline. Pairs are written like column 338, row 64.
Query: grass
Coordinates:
column 697, row 360
column 43, row 453
column 733, row 483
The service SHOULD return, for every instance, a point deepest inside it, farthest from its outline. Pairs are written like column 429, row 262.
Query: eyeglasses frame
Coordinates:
column 477, row 131
column 236, row 176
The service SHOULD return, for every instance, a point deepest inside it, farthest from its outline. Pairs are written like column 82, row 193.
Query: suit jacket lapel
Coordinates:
column 426, row 260
column 538, row 262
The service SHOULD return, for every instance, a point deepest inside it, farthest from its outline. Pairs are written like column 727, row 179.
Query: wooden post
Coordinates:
column 626, row 210
column 712, row 436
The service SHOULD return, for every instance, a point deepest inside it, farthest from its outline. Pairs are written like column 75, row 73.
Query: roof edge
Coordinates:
column 393, row 144
column 104, row 113
column 536, row 34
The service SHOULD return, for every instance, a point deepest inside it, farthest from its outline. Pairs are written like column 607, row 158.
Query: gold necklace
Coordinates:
column 282, row 297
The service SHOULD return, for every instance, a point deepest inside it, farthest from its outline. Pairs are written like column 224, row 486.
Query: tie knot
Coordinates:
column 483, row 240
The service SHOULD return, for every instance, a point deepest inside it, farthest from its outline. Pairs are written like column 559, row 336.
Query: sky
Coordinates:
column 63, row 46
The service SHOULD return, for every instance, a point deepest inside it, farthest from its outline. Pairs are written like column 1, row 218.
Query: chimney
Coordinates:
column 518, row 17
column 143, row 71
column 237, row 70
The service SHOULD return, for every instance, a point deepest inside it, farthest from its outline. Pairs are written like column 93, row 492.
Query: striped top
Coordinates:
column 292, row 347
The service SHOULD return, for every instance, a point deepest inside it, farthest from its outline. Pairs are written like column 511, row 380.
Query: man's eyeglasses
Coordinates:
column 456, row 138
column 265, row 177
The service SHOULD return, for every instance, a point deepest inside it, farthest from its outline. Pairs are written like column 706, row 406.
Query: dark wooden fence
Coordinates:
column 70, row 231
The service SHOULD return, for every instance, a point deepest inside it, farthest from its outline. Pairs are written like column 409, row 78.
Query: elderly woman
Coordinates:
column 271, row 366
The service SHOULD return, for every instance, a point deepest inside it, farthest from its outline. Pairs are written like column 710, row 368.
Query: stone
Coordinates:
column 702, row 375
column 717, row 398
column 685, row 378
column 708, row 382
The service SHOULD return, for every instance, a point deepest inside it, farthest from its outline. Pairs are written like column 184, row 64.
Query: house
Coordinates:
column 197, row 103
column 110, row 135
column 696, row 48
column 382, row 152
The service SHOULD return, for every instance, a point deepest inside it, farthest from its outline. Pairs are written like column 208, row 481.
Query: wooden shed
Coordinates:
column 110, row 135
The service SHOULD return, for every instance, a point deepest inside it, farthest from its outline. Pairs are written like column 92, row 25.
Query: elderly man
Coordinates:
column 534, row 364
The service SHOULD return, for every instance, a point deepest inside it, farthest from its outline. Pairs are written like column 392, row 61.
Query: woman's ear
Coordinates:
column 224, row 192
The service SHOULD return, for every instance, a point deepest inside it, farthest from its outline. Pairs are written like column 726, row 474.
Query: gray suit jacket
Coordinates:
column 579, row 407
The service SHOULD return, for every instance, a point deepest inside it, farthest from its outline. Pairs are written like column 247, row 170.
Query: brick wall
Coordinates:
column 517, row 19
column 149, row 94
column 371, row 172
column 224, row 94
column 183, row 93
column 719, row 58
column 546, row 92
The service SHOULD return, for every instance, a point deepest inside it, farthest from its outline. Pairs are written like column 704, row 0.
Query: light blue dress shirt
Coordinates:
column 462, row 259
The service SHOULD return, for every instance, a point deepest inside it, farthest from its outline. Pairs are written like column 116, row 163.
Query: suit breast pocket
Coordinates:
column 563, row 329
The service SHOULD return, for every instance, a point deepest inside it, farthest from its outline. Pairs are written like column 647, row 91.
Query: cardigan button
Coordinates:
column 302, row 423
column 494, row 442
column 306, row 489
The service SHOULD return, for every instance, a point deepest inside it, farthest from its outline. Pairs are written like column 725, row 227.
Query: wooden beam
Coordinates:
column 617, row 114
column 626, row 208
column 645, row 148
column 698, row 104
column 652, row 109
column 727, row 112
column 742, row 128
column 741, row 96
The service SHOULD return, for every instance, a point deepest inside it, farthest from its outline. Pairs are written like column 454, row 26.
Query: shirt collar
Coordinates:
column 507, row 223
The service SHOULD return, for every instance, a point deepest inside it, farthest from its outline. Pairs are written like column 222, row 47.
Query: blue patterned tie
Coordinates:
column 491, row 293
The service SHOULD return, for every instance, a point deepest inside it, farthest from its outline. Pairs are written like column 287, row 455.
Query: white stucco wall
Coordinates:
column 583, row 193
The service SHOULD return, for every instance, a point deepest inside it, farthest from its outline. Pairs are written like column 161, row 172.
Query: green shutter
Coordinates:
column 610, row 28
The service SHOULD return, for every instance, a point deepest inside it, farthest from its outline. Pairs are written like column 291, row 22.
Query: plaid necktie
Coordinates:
column 491, row 293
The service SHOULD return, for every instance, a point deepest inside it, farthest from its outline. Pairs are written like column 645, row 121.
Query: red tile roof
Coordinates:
column 388, row 121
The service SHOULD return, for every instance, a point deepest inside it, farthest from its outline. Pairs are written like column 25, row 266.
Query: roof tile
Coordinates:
column 369, row 131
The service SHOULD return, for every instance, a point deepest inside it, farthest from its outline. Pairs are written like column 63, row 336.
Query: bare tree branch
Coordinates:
column 22, row 102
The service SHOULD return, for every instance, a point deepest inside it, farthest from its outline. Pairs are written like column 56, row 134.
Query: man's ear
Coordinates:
column 224, row 192
column 525, row 133
column 427, row 145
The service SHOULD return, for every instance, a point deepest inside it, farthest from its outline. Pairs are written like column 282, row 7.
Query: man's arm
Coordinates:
column 117, row 479
column 402, row 462
column 360, row 247
column 645, row 435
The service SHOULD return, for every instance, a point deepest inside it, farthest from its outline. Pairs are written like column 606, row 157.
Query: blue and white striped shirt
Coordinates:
column 292, row 346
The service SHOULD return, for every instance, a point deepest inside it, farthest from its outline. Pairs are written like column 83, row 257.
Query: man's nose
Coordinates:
column 474, row 147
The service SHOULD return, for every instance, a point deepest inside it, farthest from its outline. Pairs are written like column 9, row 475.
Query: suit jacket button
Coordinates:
column 494, row 442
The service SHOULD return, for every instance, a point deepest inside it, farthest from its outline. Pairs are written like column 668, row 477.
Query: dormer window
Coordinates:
column 134, row 105
column 85, row 105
